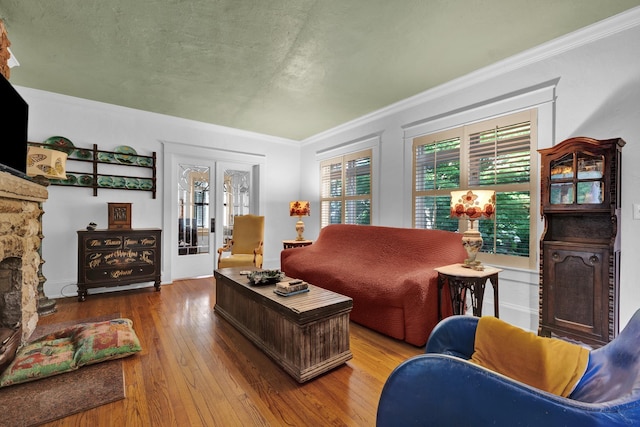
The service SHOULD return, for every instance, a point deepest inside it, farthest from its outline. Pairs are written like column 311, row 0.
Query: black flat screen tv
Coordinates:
column 14, row 116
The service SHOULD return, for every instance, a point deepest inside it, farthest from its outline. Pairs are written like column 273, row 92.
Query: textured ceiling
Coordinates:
column 289, row 68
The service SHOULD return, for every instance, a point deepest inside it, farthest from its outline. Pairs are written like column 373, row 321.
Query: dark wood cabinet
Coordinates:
column 118, row 257
column 580, row 244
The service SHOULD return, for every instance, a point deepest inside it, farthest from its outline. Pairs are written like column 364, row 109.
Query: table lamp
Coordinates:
column 299, row 208
column 473, row 205
column 46, row 163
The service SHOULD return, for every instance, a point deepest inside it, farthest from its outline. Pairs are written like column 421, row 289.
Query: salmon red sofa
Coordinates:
column 387, row 271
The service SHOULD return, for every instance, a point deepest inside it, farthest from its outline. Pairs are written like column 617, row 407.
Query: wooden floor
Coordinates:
column 197, row 370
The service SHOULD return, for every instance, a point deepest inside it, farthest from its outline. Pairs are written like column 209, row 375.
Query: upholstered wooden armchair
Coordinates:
column 246, row 243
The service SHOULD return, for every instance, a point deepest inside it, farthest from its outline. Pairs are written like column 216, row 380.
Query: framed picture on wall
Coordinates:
column 119, row 216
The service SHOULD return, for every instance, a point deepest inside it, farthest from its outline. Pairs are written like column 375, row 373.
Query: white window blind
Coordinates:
column 346, row 189
column 436, row 173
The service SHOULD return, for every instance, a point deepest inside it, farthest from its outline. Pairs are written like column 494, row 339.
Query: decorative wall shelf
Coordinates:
column 106, row 170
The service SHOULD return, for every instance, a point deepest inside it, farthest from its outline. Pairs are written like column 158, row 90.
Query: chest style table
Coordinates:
column 306, row 334
column 464, row 280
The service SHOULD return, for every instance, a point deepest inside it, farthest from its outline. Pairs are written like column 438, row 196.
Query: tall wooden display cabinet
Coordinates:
column 580, row 244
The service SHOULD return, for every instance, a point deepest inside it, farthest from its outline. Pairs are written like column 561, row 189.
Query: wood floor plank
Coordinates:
column 198, row 370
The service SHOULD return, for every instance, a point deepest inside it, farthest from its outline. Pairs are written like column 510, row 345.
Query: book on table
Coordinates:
column 291, row 287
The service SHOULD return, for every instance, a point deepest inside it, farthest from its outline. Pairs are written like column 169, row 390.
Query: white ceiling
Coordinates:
column 288, row 68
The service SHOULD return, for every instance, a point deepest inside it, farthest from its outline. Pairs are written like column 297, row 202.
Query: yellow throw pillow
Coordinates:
column 548, row 364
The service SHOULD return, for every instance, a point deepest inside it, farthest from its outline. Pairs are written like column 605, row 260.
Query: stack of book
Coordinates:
column 291, row 287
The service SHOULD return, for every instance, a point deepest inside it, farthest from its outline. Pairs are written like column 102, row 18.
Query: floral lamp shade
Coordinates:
column 469, row 204
column 473, row 205
column 46, row 162
column 299, row 208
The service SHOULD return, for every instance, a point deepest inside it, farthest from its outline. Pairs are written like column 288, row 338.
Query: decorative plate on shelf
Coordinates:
column 125, row 154
column 118, row 182
column 144, row 161
column 85, row 180
column 60, row 143
column 265, row 277
column 60, row 181
column 83, row 154
column 105, row 181
column 132, row 183
column 105, row 157
column 71, row 180
column 146, row 184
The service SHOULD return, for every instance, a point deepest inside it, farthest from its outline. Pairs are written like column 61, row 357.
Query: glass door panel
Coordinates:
column 193, row 209
column 590, row 167
column 590, row 192
column 561, row 194
column 236, row 198
column 562, row 168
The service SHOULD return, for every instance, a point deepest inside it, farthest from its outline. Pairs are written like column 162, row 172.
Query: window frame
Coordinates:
column 462, row 132
column 342, row 160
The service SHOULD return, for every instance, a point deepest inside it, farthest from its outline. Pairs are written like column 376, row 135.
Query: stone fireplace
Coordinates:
column 20, row 238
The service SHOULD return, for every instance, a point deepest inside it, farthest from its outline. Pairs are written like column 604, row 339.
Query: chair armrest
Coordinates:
column 455, row 336
column 226, row 248
column 258, row 256
column 442, row 390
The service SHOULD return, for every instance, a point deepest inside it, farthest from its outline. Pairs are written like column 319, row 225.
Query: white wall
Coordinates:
column 85, row 122
column 595, row 74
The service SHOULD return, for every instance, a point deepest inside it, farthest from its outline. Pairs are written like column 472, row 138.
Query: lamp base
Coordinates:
column 473, row 265
column 472, row 242
column 300, row 230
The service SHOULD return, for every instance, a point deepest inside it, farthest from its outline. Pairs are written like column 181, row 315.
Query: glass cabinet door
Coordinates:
column 562, row 181
column 562, row 168
column 590, row 184
column 577, row 178
column 561, row 194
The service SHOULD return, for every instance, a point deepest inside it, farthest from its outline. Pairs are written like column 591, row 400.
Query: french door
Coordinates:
column 203, row 191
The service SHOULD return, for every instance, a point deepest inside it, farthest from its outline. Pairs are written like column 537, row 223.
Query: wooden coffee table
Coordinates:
column 306, row 334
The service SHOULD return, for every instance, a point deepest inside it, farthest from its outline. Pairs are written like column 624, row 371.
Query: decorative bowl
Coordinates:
column 265, row 277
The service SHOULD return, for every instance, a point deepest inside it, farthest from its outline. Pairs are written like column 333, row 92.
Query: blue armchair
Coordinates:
column 442, row 388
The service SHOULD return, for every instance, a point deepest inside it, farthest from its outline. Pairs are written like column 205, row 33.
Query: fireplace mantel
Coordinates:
column 20, row 238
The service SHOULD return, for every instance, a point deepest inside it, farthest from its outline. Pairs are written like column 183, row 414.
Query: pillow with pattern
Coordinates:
column 111, row 339
column 42, row 358
column 70, row 348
